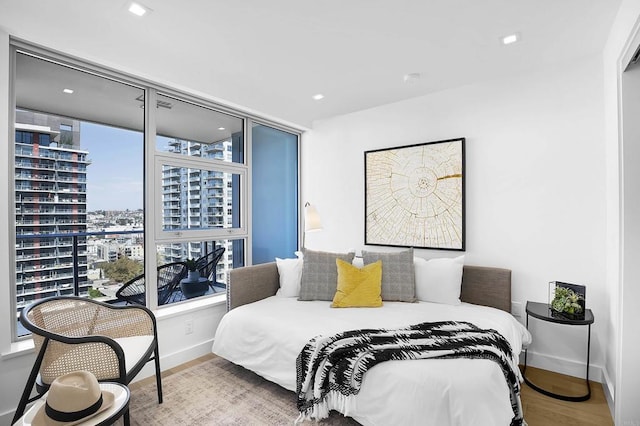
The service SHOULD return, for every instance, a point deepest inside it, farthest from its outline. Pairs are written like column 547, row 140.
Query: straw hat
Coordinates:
column 72, row 399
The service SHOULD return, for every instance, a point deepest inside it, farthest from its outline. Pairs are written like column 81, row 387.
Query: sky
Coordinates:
column 115, row 175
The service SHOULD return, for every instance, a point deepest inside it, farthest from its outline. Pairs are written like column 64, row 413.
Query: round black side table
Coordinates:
column 543, row 312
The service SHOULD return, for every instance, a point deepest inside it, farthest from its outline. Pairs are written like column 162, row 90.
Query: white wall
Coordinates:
column 535, row 186
column 628, row 375
column 623, row 202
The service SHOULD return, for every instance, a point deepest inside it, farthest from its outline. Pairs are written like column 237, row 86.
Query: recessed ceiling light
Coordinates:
column 411, row 77
column 318, row 96
column 137, row 9
column 510, row 39
column 220, row 128
column 68, row 91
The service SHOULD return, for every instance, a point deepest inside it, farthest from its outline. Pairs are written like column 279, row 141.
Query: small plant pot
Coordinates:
column 194, row 289
column 193, row 276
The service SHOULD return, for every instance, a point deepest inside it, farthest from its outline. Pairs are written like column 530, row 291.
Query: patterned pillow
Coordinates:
column 320, row 274
column 398, row 274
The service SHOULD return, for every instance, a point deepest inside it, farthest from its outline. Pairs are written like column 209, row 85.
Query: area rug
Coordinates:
column 217, row 392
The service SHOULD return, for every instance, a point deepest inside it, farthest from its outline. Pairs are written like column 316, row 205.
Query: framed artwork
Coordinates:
column 414, row 195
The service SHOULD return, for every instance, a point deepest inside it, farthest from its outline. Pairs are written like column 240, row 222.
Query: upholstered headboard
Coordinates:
column 252, row 283
column 487, row 286
column 481, row 285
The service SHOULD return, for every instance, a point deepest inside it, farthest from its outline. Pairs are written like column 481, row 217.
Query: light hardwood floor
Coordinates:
column 539, row 410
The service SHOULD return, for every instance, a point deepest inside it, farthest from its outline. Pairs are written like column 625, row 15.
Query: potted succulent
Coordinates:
column 568, row 303
column 193, row 274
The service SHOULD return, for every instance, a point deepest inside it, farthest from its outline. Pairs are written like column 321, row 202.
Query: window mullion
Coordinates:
column 150, row 198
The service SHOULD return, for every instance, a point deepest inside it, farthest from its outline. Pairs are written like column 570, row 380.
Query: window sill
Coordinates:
column 177, row 309
column 20, row 348
column 25, row 347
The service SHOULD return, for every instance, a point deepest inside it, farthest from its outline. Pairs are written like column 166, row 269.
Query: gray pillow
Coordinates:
column 320, row 274
column 398, row 274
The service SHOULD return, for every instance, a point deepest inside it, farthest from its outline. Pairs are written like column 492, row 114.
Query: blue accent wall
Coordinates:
column 275, row 194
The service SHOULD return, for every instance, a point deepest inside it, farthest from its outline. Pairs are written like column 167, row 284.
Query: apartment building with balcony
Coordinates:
column 51, row 207
column 194, row 198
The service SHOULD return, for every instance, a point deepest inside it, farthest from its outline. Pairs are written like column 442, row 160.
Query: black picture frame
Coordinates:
column 415, row 195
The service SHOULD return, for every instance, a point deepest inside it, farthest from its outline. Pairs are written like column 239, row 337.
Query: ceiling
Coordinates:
column 271, row 57
column 40, row 85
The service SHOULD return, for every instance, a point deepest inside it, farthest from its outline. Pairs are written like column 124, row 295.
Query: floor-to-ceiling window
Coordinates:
column 115, row 177
column 78, row 182
column 200, row 179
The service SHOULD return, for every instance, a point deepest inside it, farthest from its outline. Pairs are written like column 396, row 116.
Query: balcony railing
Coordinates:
column 75, row 239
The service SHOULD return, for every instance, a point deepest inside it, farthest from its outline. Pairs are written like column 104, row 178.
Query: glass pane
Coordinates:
column 115, row 257
column 187, row 129
column 78, row 172
column 214, row 260
column 274, row 193
column 198, row 199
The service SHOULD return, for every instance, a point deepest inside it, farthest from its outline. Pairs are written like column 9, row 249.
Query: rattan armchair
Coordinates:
column 74, row 333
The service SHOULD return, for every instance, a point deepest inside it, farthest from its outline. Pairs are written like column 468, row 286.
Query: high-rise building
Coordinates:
column 51, row 207
column 194, row 198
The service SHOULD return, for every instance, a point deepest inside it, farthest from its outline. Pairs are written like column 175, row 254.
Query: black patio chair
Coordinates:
column 207, row 266
column 169, row 276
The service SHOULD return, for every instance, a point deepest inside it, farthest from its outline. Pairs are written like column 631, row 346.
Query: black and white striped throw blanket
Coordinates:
column 330, row 369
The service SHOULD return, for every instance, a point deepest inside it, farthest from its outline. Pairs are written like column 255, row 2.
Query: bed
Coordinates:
column 265, row 333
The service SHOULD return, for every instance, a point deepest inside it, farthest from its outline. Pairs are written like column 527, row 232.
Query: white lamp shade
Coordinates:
column 311, row 219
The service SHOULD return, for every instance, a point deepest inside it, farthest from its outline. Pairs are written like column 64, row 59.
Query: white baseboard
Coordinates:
column 562, row 365
column 5, row 418
column 609, row 392
column 174, row 359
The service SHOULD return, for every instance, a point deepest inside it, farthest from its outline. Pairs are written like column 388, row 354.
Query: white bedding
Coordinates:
column 267, row 336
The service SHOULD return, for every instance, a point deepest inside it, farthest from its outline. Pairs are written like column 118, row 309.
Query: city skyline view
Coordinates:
column 79, row 197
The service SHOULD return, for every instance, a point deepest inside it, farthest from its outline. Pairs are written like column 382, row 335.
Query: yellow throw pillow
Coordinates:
column 358, row 287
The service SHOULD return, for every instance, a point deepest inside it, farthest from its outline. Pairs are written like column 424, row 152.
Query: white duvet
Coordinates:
column 267, row 336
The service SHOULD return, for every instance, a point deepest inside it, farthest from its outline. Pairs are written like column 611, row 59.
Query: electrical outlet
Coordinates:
column 516, row 309
column 188, row 327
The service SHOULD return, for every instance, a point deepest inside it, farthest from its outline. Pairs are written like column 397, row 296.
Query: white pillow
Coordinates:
column 290, row 271
column 439, row 280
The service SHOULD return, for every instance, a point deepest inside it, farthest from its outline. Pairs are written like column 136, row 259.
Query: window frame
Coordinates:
column 152, row 166
column 185, row 235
